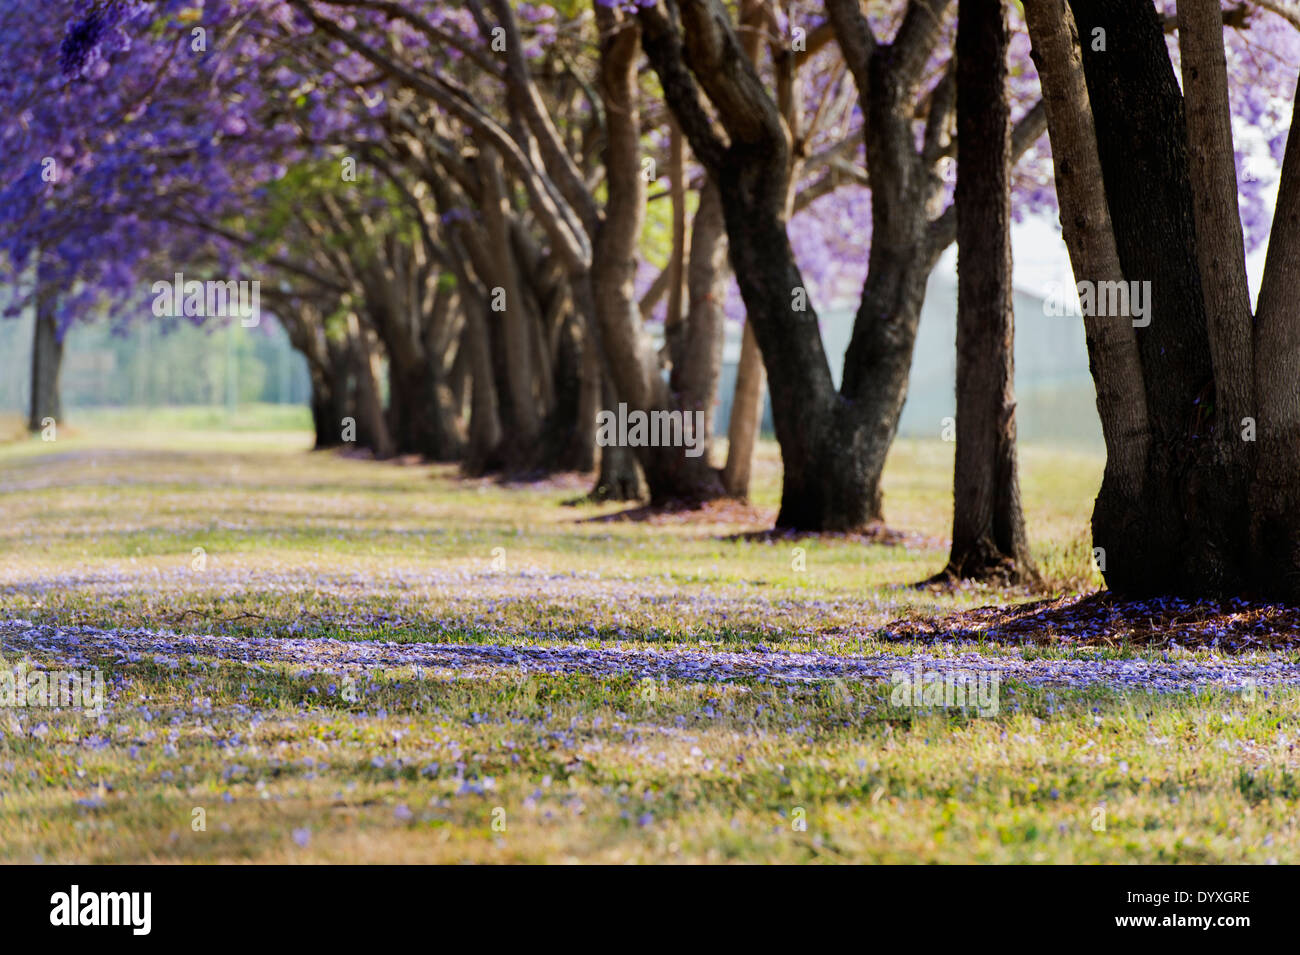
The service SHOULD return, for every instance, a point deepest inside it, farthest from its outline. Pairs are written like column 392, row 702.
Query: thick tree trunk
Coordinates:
column 1178, row 513
column 421, row 415
column 988, row 527
column 746, row 417
column 1188, row 533
column 47, row 357
column 1275, row 493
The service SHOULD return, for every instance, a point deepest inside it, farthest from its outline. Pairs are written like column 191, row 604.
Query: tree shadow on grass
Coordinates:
column 1102, row 619
column 719, row 511
column 875, row 534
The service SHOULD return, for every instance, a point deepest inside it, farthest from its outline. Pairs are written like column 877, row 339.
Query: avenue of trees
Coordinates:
column 489, row 202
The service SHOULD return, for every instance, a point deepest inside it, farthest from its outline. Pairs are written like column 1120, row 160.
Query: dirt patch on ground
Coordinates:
column 722, row 511
column 1101, row 619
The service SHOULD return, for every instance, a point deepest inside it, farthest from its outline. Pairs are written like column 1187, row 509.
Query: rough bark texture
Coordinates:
column 988, row 529
column 1200, row 515
column 1085, row 219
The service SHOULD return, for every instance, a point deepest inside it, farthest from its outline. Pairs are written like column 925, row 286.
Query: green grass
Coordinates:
column 101, row 529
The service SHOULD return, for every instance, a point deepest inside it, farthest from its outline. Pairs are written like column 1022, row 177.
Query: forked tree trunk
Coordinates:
column 47, row 357
column 1178, row 513
column 673, row 472
column 988, row 527
column 833, row 443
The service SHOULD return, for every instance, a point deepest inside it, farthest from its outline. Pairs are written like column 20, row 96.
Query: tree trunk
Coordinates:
column 47, row 356
column 833, row 445
column 510, row 312
column 1275, row 492
column 746, row 417
column 568, row 441
column 372, row 427
column 620, row 475
column 324, row 424
column 484, row 421
column 1178, row 512
column 673, row 472
column 421, row 415
column 1189, row 532
column 988, row 527
column 697, row 359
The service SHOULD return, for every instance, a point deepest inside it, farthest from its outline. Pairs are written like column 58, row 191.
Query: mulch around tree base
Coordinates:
column 1102, row 619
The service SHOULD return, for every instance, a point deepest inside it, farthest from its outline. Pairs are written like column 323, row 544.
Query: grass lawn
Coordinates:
column 317, row 658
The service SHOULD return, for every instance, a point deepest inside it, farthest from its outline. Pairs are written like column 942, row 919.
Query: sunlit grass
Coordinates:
column 101, row 527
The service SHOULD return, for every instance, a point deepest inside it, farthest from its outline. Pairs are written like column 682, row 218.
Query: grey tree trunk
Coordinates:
column 47, row 357
column 988, row 527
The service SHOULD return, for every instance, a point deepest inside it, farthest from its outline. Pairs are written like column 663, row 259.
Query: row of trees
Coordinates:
column 490, row 203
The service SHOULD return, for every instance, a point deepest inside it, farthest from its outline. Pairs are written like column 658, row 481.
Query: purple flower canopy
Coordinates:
column 144, row 136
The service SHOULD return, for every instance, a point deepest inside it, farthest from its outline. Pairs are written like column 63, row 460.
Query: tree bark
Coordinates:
column 620, row 477
column 1275, row 492
column 1085, row 219
column 672, row 473
column 372, row 427
column 988, row 527
column 697, row 361
column 833, row 444
column 481, row 455
column 1190, row 530
column 746, row 417
column 47, row 355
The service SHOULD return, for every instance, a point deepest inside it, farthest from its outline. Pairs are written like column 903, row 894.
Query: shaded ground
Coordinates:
column 1102, row 620
column 72, row 647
